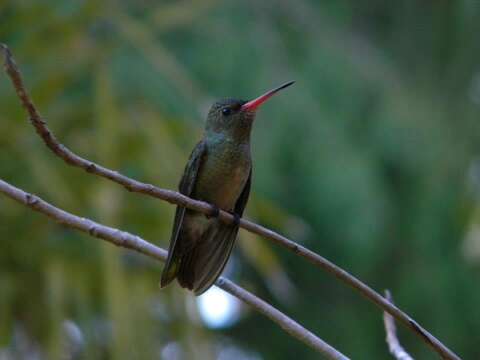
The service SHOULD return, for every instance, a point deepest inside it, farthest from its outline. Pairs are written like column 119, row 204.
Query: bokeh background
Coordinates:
column 370, row 159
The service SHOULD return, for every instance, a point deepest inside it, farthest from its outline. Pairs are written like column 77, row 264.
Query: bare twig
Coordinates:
column 133, row 242
column 394, row 346
column 176, row 198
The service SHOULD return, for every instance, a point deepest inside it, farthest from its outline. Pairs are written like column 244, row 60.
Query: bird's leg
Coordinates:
column 236, row 218
column 214, row 212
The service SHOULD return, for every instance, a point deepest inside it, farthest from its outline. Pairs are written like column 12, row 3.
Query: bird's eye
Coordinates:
column 226, row 111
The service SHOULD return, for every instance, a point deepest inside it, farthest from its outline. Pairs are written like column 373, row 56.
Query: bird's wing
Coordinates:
column 243, row 199
column 186, row 186
column 217, row 243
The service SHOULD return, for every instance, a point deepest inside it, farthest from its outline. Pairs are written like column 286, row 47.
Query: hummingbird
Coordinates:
column 219, row 171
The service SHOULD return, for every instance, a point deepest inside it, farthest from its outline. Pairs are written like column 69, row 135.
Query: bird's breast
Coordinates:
column 223, row 174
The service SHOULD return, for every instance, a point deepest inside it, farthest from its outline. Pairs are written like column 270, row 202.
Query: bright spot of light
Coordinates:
column 217, row 308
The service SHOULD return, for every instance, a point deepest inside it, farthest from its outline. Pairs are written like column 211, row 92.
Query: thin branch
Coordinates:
column 176, row 198
column 394, row 346
column 133, row 242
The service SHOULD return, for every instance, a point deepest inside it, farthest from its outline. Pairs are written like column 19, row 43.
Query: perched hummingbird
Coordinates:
column 219, row 172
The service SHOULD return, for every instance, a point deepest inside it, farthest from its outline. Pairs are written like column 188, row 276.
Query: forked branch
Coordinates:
column 394, row 346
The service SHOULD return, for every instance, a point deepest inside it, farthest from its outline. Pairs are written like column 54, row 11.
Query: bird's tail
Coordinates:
column 171, row 268
column 201, row 266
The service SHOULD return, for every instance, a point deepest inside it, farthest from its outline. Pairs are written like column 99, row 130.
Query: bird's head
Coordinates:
column 233, row 118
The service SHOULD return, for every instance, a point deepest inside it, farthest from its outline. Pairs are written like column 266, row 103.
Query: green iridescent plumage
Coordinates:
column 219, row 172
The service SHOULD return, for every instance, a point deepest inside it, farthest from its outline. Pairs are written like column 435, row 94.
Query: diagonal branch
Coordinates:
column 176, row 198
column 394, row 346
column 133, row 242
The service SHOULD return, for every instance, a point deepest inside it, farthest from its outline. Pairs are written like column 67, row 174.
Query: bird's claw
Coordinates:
column 236, row 218
column 214, row 212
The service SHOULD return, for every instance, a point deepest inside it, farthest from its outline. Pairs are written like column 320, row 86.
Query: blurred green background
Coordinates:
column 370, row 159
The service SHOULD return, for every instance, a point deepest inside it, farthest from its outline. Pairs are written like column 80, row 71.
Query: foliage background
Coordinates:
column 371, row 159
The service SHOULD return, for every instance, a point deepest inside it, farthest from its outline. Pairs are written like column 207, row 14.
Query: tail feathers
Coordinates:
column 201, row 266
column 170, row 271
column 179, row 263
column 186, row 276
column 198, row 267
column 217, row 252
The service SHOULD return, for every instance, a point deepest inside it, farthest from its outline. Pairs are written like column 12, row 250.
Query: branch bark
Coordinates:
column 394, row 346
column 133, row 242
column 176, row 198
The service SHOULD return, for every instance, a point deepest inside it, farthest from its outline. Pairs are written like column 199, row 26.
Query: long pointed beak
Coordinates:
column 252, row 105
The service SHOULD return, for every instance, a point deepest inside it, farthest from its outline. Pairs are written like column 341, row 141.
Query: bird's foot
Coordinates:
column 214, row 212
column 236, row 218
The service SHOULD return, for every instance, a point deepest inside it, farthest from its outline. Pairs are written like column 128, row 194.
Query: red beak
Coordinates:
column 252, row 105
